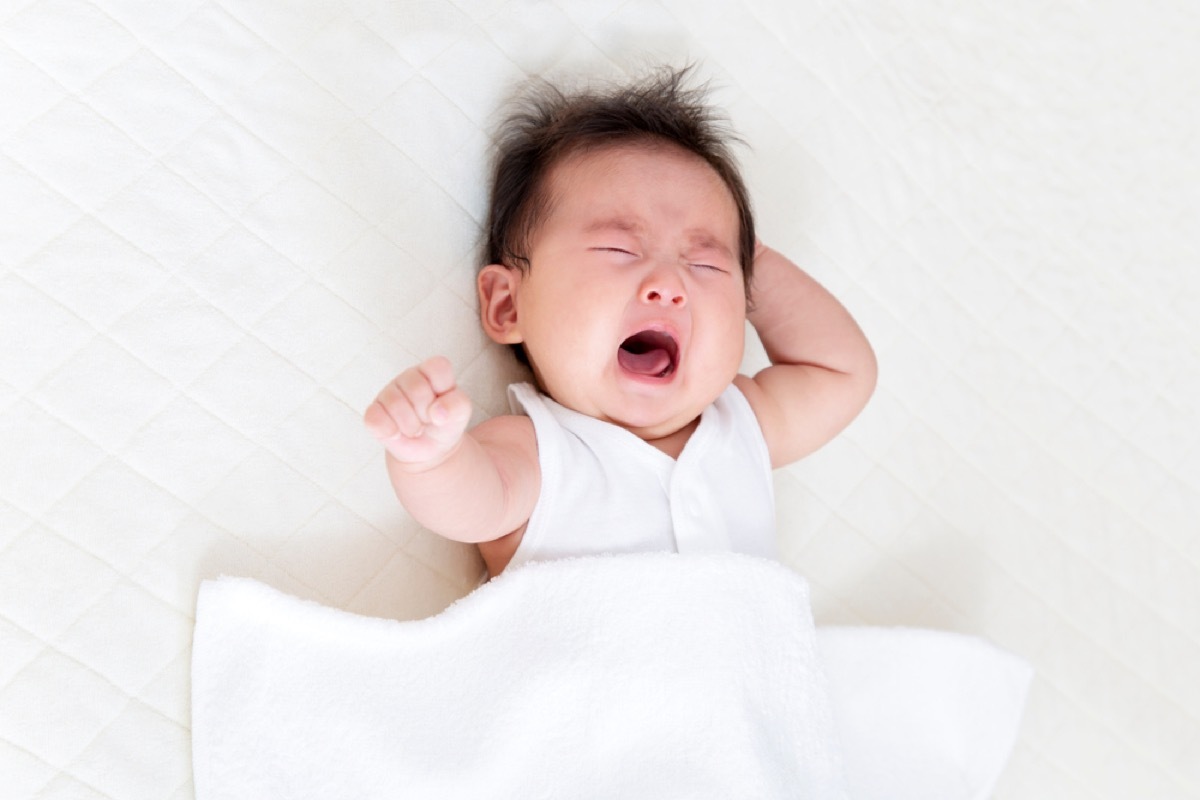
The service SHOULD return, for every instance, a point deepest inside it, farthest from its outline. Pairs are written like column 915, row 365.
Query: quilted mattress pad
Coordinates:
column 224, row 224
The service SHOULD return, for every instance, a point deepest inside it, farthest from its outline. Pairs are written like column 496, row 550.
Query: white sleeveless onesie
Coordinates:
column 604, row 490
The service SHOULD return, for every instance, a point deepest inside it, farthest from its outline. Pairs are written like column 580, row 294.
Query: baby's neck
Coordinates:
column 673, row 443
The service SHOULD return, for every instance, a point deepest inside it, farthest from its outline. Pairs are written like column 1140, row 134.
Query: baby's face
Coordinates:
column 633, row 308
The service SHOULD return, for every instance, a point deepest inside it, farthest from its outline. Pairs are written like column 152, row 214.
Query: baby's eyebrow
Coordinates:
column 703, row 240
column 621, row 224
column 699, row 239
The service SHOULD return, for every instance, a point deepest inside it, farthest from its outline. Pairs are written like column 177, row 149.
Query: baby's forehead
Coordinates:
column 571, row 178
column 605, row 155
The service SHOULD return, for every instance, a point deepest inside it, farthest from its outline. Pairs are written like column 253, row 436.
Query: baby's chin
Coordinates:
column 653, row 419
column 645, row 417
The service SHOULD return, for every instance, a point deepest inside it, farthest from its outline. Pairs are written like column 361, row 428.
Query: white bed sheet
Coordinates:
column 226, row 222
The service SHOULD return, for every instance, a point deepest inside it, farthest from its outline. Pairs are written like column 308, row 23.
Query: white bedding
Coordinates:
column 226, row 222
column 648, row 675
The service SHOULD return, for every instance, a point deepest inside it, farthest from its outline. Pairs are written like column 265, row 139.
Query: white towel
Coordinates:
column 613, row 677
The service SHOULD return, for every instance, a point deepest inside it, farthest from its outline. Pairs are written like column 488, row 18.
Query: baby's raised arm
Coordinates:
column 470, row 486
column 822, row 368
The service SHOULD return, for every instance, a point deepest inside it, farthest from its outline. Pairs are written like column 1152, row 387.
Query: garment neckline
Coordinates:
column 632, row 441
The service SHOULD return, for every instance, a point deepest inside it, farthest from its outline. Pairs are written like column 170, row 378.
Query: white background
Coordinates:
column 225, row 223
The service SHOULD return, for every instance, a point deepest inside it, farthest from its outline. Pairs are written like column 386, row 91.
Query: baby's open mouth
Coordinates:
column 650, row 353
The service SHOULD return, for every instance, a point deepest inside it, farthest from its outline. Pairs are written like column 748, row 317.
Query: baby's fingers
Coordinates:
column 421, row 414
column 439, row 373
column 392, row 415
column 417, row 391
column 449, row 415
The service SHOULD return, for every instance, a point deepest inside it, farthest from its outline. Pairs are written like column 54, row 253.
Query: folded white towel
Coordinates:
column 613, row 677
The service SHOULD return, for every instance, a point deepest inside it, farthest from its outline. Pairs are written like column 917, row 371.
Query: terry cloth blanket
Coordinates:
column 612, row 677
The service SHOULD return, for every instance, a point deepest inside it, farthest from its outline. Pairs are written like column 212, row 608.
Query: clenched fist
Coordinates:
column 421, row 416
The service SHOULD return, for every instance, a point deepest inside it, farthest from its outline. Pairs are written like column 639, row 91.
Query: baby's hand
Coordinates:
column 421, row 415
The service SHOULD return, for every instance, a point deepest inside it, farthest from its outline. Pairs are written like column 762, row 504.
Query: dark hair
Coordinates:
column 547, row 125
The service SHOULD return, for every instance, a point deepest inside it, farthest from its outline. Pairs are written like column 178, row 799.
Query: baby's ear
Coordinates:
column 497, row 285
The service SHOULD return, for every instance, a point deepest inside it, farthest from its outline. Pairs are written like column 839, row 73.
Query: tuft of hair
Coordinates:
column 547, row 125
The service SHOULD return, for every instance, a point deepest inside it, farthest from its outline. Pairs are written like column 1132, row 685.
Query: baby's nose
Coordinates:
column 664, row 290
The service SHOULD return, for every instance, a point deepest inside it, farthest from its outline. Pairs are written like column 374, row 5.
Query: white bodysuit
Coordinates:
column 604, row 490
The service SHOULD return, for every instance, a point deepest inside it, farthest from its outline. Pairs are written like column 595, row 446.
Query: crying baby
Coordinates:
column 622, row 266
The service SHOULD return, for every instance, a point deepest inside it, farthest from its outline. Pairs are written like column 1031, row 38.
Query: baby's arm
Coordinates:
column 470, row 486
column 822, row 368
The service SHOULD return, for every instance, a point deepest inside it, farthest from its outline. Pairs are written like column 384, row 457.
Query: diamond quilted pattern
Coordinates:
column 227, row 163
column 173, row 232
column 127, row 636
column 24, row 314
column 186, row 449
column 42, row 215
column 229, row 222
column 86, row 177
column 122, row 393
column 119, row 278
column 135, row 756
column 176, row 332
column 116, row 515
column 55, row 707
column 37, row 32
column 146, row 87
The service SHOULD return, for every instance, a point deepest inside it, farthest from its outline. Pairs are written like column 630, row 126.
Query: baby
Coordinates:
column 622, row 267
